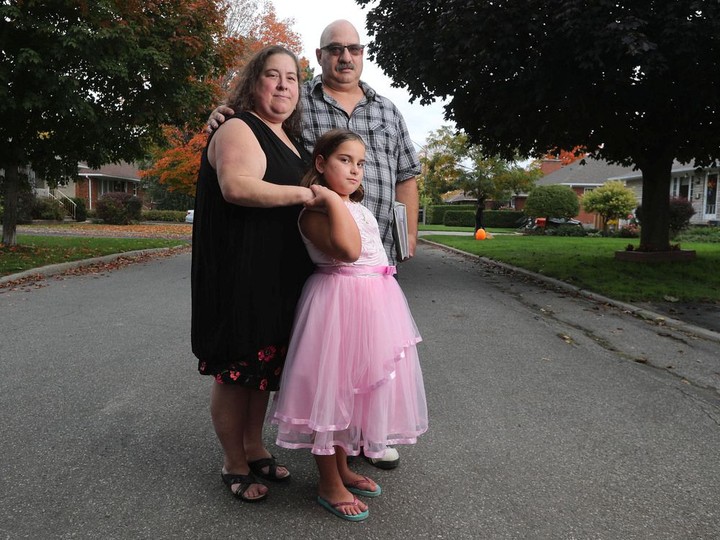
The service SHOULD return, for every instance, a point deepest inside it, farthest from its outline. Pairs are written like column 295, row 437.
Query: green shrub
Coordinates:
column 631, row 231
column 119, row 208
column 48, row 208
column 26, row 200
column 681, row 210
column 81, row 213
column 177, row 216
column 459, row 218
column 552, row 202
column 565, row 230
column 134, row 208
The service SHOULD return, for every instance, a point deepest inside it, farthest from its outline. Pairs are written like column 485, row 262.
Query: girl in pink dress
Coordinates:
column 352, row 377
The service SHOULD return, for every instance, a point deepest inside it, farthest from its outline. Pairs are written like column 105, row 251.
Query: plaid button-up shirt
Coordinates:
column 390, row 156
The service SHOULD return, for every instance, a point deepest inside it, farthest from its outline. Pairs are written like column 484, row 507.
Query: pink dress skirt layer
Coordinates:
column 352, row 376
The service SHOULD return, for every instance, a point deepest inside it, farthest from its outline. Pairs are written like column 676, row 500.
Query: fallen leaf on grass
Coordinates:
column 100, row 268
column 176, row 230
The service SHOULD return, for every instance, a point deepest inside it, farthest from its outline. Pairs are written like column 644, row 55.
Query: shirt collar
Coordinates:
column 316, row 88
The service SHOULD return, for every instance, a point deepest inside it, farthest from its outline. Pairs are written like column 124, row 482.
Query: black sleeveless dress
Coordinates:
column 248, row 269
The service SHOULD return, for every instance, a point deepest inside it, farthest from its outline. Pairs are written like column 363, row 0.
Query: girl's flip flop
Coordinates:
column 333, row 508
column 352, row 488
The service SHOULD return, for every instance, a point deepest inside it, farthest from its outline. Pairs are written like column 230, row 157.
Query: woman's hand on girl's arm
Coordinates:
column 334, row 231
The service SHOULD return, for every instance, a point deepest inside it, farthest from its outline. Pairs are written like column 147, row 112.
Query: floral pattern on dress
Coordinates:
column 260, row 371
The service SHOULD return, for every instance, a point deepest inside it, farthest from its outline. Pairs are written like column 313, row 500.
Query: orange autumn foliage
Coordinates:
column 566, row 157
column 271, row 31
column 177, row 166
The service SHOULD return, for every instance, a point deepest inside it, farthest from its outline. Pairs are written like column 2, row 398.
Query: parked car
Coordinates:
column 189, row 216
column 533, row 224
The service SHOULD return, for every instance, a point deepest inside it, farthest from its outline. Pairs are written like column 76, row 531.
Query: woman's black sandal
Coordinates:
column 271, row 463
column 245, row 481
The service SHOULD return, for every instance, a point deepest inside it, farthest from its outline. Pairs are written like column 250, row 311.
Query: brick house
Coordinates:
column 699, row 185
column 91, row 184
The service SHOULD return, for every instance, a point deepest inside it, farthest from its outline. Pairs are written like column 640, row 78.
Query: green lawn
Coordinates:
column 35, row 251
column 588, row 262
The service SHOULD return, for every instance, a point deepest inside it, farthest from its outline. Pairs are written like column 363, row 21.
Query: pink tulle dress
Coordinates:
column 352, row 376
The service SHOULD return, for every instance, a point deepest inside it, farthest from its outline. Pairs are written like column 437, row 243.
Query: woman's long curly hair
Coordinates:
column 325, row 146
column 240, row 97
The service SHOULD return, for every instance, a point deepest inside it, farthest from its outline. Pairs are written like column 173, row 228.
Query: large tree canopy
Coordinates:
column 633, row 82
column 94, row 81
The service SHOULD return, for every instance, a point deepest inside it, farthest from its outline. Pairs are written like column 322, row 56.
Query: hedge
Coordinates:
column 503, row 219
column 81, row 211
column 176, row 216
column 459, row 218
column 436, row 213
column 506, row 219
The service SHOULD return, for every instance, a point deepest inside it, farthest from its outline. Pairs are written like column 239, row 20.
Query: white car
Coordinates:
column 189, row 216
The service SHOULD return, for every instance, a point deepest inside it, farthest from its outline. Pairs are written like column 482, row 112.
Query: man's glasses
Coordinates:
column 336, row 50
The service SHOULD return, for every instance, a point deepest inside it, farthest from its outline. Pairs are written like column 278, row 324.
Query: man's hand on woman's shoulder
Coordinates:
column 217, row 117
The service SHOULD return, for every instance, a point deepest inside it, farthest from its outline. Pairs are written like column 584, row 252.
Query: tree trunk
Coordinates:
column 655, row 224
column 479, row 215
column 10, row 214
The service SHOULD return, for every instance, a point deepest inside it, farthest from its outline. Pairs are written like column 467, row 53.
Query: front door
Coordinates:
column 710, row 212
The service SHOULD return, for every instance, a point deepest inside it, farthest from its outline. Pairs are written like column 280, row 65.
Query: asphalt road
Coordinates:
column 552, row 417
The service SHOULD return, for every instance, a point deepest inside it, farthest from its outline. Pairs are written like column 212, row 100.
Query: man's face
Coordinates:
column 340, row 57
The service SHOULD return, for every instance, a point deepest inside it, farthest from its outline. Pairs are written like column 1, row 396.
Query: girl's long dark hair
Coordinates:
column 325, row 146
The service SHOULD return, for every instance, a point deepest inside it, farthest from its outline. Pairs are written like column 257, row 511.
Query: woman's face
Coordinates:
column 277, row 89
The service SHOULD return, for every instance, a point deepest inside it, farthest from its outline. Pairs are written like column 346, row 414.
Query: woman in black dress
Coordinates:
column 249, row 263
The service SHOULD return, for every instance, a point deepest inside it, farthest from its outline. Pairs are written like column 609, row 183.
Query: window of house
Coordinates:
column 680, row 187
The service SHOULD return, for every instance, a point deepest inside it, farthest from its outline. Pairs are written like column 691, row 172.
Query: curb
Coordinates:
column 54, row 269
column 630, row 308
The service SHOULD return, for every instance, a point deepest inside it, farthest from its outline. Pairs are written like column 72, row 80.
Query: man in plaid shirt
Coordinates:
column 339, row 99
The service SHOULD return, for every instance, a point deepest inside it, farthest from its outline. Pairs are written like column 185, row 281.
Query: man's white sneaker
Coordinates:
column 390, row 460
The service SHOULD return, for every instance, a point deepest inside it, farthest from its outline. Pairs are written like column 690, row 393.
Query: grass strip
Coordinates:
column 36, row 251
column 589, row 263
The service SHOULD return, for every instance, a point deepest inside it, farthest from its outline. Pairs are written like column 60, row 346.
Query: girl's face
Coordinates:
column 343, row 169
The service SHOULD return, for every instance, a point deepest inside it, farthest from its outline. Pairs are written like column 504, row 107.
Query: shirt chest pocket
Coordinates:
column 382, row 139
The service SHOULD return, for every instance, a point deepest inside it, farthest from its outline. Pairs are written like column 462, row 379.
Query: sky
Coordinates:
column 312, row 16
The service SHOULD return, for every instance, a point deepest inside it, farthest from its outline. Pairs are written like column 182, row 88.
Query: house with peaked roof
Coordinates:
column 698, row 185
column 94, row 183
column 91, row 184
